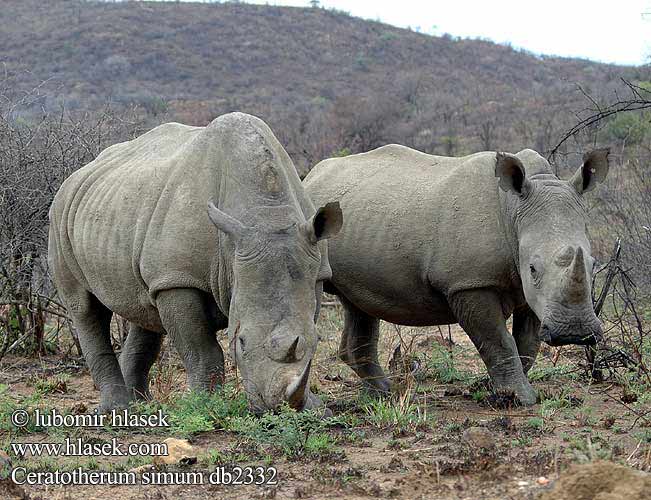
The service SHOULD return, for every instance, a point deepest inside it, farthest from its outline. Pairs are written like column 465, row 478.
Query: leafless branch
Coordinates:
column 640, row 99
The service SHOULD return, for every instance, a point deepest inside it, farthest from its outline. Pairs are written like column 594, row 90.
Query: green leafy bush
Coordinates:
column 629, row 127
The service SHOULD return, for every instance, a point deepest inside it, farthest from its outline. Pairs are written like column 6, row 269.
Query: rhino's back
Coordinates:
column 134, row 218
column 416, row 227
column 134, row 222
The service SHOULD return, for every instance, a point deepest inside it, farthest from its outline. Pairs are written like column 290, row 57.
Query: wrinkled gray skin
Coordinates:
column 135, row 232
column 431, row 240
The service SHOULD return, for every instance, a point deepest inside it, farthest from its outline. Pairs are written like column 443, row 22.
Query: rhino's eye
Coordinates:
column 532, row 268
column 242, row 342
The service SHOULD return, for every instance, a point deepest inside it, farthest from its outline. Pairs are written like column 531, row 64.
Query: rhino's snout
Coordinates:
column 568, row 317
column 571, row 331
column 295, row 392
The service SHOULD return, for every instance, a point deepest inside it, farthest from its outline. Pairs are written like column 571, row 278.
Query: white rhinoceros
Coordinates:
column 431, row 240
column 131, row 234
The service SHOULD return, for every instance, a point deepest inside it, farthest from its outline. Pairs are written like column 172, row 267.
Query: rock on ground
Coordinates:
column 600, row 480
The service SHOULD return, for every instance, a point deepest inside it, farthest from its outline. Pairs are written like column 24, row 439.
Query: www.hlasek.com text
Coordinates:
column 80, row 448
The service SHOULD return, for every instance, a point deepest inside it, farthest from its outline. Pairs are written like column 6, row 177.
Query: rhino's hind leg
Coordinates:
column 479, row 313
column 358, row 347
column 190, row 321
column 136, row 359
column 92, row 321
column 525, row 331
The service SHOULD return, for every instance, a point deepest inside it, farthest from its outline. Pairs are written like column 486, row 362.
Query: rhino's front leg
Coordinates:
column 136, row 359
column 479, row 313
column 525, row 331
column 189, row 320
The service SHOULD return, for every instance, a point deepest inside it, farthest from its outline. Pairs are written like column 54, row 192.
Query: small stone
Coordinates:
column 542, row 481
column 180, row 452
column 141, row 469
column 79, row 408
column 301, row 492
column 5, row 460
column 269, row 492
column 479, row 437
column 395, row 464
column 453, row 391
column 374, row 490
column 609, row 421
column 523, row 483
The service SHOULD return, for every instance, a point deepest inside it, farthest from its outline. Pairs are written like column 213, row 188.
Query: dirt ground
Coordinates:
column 442, row 437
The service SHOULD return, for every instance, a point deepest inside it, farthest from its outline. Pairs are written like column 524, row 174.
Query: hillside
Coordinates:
column 324, row 81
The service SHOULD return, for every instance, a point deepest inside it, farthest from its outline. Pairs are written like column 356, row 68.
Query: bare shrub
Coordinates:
column 39, row 148
column 624, row 355
column 626, row 213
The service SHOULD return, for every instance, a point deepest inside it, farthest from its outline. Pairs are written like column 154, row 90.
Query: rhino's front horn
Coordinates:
column 577, row 282
column 296, row 391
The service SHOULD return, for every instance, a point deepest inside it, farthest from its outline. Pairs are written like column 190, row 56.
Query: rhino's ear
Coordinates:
column 511, row 174
column 224, row 222
column 325, row 223
column 593, row 171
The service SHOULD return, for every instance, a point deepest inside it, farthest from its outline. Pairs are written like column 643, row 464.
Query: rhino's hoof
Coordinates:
column 509, row 396
column 323, row 412
column 526, row 394
column 378, row 387
column 529, row 397
column 114, row 403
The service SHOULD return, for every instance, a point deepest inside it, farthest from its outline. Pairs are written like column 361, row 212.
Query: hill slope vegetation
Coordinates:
column 326, row 82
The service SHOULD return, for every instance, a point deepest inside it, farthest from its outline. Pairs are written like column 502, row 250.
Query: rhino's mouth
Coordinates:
column 570, row 333
column 294, row 392
column 556, row 341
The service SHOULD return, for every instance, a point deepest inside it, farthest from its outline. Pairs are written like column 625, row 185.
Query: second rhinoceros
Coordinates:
column 186, row 230
column 432, row 240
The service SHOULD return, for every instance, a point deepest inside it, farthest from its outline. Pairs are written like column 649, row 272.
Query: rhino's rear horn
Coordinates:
column 291, row 357
column 297, row 390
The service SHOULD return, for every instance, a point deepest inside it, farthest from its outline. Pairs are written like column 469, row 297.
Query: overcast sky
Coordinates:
column 603, row 30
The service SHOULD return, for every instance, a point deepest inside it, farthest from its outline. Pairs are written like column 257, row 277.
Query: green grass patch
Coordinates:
column 387, row 412
column 8, row 405
column 199, row 411
column 535, row 423
column 293, row 433
column 589, row 448
column 441, row 366
column 541, row 372
column 56, row 384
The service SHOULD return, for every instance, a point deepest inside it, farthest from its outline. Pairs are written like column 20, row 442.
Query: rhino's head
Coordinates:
column 555, row 262
column 272, row 333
